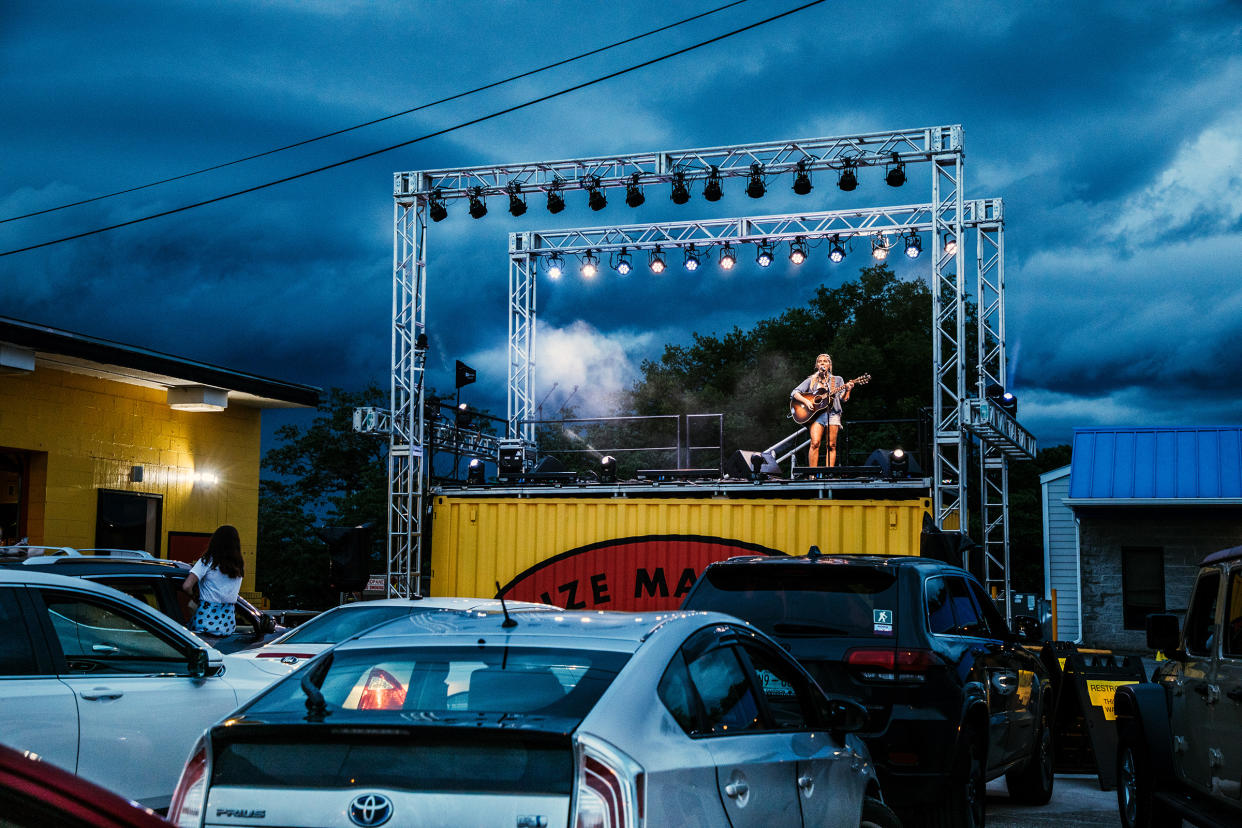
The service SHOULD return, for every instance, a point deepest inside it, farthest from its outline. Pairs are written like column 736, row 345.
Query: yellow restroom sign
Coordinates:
column 1101, row 694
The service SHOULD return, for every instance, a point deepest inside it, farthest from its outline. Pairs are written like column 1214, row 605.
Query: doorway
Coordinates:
column 128, row 520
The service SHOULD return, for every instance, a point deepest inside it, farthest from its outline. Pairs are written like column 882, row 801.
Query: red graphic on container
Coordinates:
column 631, row 574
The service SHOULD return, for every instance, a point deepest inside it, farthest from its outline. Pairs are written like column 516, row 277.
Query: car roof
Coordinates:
column 885, row 561
column 93, row 564
column 617, row 630
column 445, row 602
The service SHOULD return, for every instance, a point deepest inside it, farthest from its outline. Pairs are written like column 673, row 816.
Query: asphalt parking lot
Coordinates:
column 1076, row 800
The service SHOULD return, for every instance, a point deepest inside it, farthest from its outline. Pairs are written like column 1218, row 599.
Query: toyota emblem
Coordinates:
column 370, row 810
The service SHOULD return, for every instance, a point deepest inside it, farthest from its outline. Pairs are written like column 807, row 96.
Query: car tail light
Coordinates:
column 382, row 691
column 189, row 802
column 611, row 789
column 893, row 665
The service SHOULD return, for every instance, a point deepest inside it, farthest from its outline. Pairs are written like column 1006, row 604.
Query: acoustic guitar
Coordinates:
column 803, row 415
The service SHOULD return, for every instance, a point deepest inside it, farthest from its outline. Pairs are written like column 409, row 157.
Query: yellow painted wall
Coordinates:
column 93, row 431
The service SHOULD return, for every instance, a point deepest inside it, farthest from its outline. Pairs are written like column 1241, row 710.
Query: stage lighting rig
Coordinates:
column 802, row 179
column 727, row 257
column 692, row 258
column 596, row 199
column 914, row 245
column 623, row 263
column 797, row 250
column 436, row 209
column 590, row 264
column 681, row 193
column 712, row 190
column 755, row 188
column 895, row 173
column 556, row 201
column 633, row 193
column 880, row 245
column 847, row 180
column 475, row 472
column 478, row 207
column 517, row 204
column 763, row 257
column 950, row 244
column 608, row 469
column 656, row 261
column 836, row 253
column 556, row 266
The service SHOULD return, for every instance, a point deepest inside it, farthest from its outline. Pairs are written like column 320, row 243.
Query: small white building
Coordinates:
column 1062, row 567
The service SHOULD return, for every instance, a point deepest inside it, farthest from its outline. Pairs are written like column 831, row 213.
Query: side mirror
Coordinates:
column 267, row 624
column 198, row 662
column 846, row 716
column 1163, row 632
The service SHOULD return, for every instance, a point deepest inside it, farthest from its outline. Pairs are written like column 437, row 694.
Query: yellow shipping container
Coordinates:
column 637, row 553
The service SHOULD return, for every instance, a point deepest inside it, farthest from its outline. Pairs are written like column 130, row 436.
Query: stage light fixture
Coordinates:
column 624, row 264
column 475, row 472
column 880, row 245
column 633, row 193
column 836, row 253
column 596, row 199
column 898, row 463
column 462, row 417
column 608, row 469
column 556, row 266
column 914, row 245
column 656, row 261
column 436, row 209
column 590, row 264
column 764, row 256
column 478, row 207
column 727, row 257
column 755, row 188
column 681, row 193
column 895, row 175
column 712, row 190
column 556, row 201
column 848, row 179
column 517, row 204
column 797, row 250
column 692, row 259
column 1009, row 403
column 802, row 179
column 950, row 244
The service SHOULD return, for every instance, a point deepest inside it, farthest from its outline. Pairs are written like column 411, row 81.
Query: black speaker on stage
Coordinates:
column 548, row 463
column 741, row 465
column 896, row 467
column 349, row 550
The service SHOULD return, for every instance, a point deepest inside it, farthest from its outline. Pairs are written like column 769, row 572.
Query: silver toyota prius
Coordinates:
column 540, row 720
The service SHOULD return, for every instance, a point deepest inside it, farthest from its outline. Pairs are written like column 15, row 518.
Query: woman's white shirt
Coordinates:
column 215, row 586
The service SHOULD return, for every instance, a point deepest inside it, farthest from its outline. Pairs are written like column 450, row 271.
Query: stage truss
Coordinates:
column 946, row 216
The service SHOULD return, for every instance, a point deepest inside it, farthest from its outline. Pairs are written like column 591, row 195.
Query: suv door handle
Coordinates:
column 101, row 694
column 806, row 783
column 734, row 790
column 104, row 649
column 1004, row 683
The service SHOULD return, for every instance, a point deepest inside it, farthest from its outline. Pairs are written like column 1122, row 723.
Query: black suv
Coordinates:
column 954, row 698
column 157, row 582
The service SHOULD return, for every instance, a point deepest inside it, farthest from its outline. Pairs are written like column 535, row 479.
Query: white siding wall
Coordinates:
column 1061, row 570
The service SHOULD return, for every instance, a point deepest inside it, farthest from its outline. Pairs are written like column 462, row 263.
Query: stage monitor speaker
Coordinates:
column 739, row 464
column 548, row 463
column 882, row 458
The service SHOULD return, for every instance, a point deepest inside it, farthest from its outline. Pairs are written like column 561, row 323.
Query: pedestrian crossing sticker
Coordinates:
column 882, row 621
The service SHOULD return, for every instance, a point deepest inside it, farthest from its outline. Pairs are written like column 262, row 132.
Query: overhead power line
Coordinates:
column 428, row 136
column 418, row 108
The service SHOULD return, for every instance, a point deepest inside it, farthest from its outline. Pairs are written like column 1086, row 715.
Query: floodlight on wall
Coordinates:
column 656, row 261
column 847, row 179
column 880, row 245
column 914, row 245
column 755, row 187
column 692, row 258
column 712, row 190
column 950, row 244
column 727, row 257
column 623, row 264
column 437, row 210
column 596, row 199
column 836, row 253
column 895, row 174
column 763, row 257
column 197, row 398
column 556, row 201
column 590, row 264
column 681, row 193
column 556, row 266
column 633, row 193
column 802, row 179
column 478, row 206
column 517, row 204
column 797, row 250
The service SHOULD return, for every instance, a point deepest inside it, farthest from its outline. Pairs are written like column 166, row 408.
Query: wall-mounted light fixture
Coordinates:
column 197, row 398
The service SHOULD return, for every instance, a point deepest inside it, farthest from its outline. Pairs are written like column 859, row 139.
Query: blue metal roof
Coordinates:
column 1157, row 464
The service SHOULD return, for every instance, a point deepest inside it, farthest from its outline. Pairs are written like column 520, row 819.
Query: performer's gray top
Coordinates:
column 812, row 381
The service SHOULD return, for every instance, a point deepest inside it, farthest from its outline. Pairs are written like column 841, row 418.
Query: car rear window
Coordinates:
column 442, row 681
column 838, row 600
column 337, row 625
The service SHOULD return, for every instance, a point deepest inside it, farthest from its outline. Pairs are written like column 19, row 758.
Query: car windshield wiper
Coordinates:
column 316, row 705
column 807, row 629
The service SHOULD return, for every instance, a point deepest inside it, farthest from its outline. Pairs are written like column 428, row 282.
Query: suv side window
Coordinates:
column 939, row 607
column 17, row 656
column 1201, row 618
column 99, row 637
column 1231, row 644
column 993, row 621
column 789, row 697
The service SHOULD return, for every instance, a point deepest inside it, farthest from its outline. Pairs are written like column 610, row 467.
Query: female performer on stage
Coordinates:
column 823, row 380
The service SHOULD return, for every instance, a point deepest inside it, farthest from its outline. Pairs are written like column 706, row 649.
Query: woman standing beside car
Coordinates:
column 217, row 576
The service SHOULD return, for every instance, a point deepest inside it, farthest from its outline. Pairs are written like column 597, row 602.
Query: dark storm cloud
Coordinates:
column 1109, row 129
